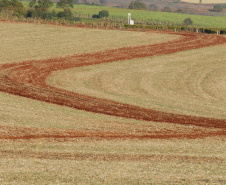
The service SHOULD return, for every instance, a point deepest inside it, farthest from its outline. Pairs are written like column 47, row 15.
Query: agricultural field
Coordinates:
column 92, row 106
column 154, row 17
column 137, row 82
column 36, row 41
column 146, row 16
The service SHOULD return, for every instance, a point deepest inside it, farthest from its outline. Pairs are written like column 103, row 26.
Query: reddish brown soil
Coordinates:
column 15, row 133
column 28, row 79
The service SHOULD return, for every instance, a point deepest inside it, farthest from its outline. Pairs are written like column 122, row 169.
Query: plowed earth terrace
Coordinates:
column 28, row 79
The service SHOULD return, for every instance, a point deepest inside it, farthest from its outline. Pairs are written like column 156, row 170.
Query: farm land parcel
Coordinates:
column 148, row 16
column 44, row 143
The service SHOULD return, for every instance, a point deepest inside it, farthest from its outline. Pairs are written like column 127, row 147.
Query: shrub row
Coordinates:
column 179, row 28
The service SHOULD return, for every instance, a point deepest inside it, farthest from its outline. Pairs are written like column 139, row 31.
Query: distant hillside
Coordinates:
column 180, row 6
column 206, row 1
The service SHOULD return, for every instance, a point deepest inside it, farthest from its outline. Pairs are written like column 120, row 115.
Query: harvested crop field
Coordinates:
column 84, row 161
column 36, row 41
column 91, row 130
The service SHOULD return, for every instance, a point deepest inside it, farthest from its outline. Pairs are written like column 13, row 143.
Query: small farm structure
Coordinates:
column 130, row 21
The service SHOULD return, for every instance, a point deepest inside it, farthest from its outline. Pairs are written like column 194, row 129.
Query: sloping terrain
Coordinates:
column 28, row 79
column 53, row 135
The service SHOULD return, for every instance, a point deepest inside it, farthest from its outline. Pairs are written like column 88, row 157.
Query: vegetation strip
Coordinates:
column 28, row 79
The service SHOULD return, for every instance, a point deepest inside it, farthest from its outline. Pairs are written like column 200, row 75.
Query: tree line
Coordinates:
column 37, row 9
column 40, row 9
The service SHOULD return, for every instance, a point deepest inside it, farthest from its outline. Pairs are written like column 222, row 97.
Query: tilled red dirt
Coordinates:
column 16, row 133
column 28, row 79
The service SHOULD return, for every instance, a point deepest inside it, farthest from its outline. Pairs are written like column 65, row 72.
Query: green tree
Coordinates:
column 103, row 13
column 218, row 8
column 138, row 5
column 65, row 4
column 13, row 6
column 67, row 14
column 188, row 21
column 41, row 6
column 4, row 5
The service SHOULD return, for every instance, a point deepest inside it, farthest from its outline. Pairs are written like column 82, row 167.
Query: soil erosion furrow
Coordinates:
column 28, row 79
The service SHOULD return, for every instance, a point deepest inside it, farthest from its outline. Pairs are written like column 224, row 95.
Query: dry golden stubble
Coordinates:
column 24, row 41
column 190, row 82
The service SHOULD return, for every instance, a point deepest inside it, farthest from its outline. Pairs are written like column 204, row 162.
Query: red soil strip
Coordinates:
column 23, row 133
column 28, row 79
